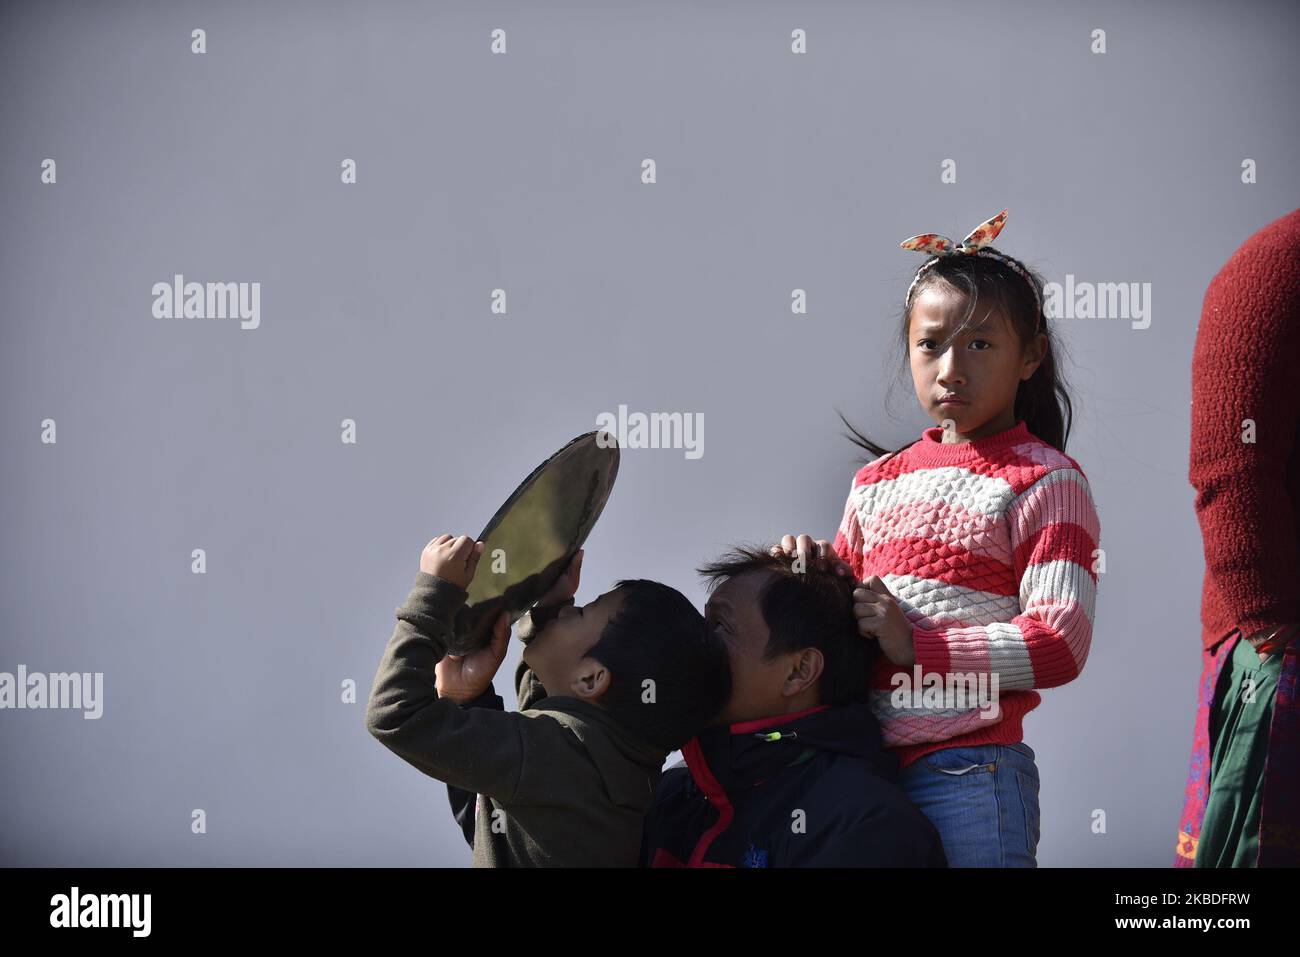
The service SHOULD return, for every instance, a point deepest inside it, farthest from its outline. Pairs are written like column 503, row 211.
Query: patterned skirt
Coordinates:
column 1242, row 802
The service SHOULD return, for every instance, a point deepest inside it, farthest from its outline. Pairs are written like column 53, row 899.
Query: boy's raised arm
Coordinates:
column 507, row 755
column 464, row 803
column 475, row 749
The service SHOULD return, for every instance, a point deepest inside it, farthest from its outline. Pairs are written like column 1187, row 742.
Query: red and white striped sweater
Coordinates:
column 988, row 545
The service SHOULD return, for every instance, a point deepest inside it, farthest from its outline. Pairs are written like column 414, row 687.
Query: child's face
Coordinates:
column 983, row 366
column 558, row 653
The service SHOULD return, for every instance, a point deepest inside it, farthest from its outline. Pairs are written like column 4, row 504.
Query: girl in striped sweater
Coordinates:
column 977, row 547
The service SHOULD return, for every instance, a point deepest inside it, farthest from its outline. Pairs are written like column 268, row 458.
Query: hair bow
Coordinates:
column 937, row 245
column 973, row 245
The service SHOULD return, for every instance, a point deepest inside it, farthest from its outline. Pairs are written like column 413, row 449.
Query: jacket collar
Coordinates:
column 736, row 758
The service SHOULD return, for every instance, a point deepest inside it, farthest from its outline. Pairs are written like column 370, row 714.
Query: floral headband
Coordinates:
column 973, row 245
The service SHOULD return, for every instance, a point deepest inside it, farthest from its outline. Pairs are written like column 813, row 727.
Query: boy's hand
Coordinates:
column 452, row 559
column 464, row 677
column 879, row 614
column 820, row 553
column 566, row 586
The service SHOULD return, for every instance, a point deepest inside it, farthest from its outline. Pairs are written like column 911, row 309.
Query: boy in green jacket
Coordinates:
column 566, row 780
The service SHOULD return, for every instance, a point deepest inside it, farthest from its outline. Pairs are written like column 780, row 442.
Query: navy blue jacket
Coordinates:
column 811, row 789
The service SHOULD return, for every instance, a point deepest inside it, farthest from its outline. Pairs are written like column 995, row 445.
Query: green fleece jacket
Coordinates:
column 561, row 782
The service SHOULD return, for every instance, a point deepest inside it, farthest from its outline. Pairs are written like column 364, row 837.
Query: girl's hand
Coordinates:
column 464, row 677
column 821, row 552
column 880, row 615
column 452, row 559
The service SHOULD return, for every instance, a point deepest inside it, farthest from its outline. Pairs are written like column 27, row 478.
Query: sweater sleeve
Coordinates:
column 848, row 537
column 463, row 803
column 1054, row 530
column 1247, row 345
column 479, row 749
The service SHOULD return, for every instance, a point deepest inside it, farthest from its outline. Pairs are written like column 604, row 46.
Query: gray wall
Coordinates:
column 522, row 171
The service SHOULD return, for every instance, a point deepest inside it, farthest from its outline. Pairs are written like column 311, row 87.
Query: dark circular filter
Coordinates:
column 530, row 540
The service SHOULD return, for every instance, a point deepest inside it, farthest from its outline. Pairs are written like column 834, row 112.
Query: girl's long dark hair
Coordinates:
column 1042, row 400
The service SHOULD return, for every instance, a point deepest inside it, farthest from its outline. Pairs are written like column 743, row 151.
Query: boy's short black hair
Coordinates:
column 808, row 609
column 658, row 636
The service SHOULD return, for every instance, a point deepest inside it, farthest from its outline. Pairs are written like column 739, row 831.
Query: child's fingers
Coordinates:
column 447, row 671
column 871, row 610
column 459, row 548
column 575, row 560
column 471, row 559
column 436, row 544
column 875, row 584
column 575, row 566
column 809, row 549
column 826, row 552
column 836, row 563
column 501, row 636
column 868, row 612
column 805, row 546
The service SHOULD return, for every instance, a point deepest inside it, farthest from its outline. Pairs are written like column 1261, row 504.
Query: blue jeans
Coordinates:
column 983, row 801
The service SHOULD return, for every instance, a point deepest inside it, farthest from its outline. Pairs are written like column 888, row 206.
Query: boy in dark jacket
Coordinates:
column 793, row 773
column 567, row 778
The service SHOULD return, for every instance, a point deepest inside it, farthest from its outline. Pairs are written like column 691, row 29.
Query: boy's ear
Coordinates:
column 591, row 680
